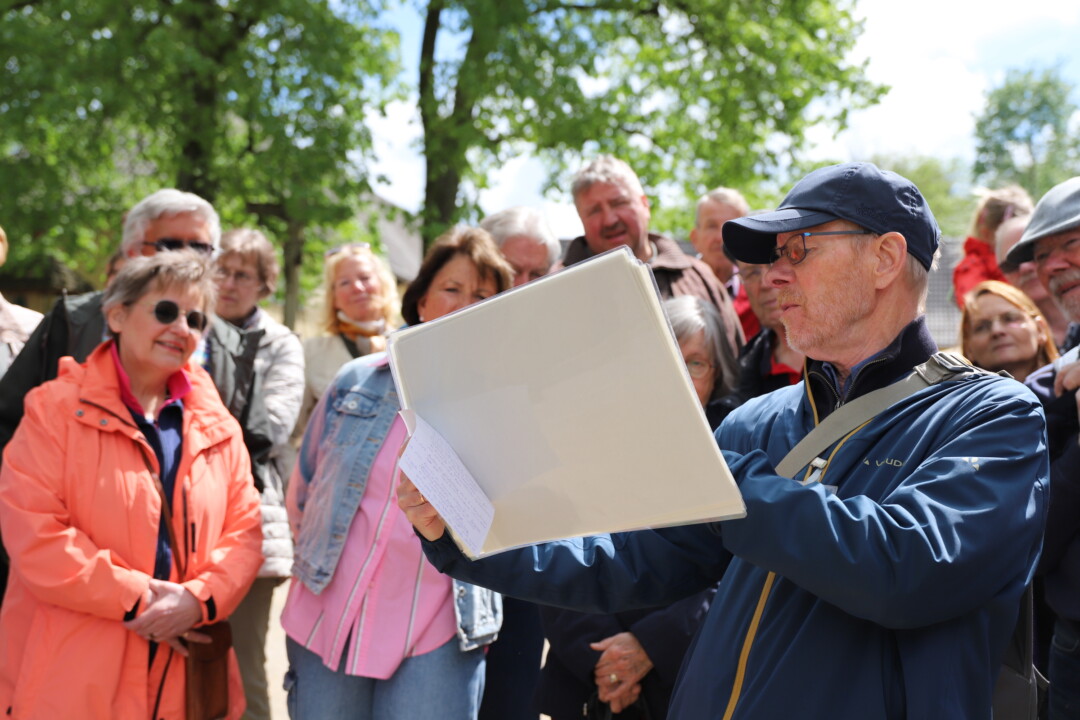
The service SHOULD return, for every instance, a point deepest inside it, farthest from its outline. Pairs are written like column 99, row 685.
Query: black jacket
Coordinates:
column 755, row 377
column 566, row 680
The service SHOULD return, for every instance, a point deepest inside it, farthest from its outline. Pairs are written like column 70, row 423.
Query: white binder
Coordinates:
column 568, row 402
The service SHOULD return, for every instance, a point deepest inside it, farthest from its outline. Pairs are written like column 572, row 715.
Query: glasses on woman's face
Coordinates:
column 698, row 369
column 166, row 312
column 239, row 277
column 173, row 244
column 795, row 249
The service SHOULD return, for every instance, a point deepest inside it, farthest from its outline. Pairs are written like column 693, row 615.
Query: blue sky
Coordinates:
column 939, row 56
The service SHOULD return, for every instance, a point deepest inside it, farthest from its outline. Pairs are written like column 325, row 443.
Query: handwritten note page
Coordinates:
column 439, row 474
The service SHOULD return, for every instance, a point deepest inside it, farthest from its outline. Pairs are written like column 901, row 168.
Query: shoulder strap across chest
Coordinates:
column 941, row 366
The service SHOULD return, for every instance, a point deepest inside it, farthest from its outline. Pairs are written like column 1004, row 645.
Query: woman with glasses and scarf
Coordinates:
column 713, row 368
column 127, row 506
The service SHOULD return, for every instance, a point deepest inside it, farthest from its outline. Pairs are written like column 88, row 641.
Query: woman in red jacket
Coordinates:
column 979, row 262
column 96, row 613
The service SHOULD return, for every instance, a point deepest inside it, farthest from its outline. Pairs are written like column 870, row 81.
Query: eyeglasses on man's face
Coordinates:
column 172, row 244
column 795, row 249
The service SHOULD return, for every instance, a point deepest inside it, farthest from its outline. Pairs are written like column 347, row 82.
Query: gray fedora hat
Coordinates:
column 1056, row 212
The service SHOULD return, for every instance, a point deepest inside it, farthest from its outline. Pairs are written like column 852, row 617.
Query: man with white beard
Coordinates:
column 1052, row 242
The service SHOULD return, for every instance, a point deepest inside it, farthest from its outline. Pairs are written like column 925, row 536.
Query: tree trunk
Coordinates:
column 441, row 187
column 293, row 256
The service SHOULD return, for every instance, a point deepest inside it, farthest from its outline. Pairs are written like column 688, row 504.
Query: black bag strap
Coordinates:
column 941, row 366
column 166, row 512
column 350, row 345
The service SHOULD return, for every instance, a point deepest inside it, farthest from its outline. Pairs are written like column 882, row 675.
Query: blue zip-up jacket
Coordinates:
column 344, row 435
column 886, row 590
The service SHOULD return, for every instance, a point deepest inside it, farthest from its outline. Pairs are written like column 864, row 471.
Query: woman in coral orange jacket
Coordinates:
column 96, row 619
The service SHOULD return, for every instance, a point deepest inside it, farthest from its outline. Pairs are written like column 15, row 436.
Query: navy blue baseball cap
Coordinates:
column 878, row 200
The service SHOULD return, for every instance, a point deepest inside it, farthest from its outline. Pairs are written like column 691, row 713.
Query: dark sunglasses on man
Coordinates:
column 171, row 244
column 166, row 312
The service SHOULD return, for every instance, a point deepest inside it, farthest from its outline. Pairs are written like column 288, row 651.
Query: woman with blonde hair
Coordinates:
column 1001, row 328
column 980, row 262
column 360, row 307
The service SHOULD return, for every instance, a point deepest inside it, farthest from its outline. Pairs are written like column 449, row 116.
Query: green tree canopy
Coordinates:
column 697, row 93
column 1027, row 133
column 257, row 107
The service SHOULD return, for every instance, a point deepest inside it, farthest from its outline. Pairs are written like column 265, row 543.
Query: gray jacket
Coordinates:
column 279, row 362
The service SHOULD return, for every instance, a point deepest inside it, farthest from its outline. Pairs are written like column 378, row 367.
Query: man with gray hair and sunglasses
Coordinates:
column 164, row 221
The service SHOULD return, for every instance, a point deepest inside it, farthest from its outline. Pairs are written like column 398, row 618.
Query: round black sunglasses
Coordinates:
column 172, row 244
column 166, row 312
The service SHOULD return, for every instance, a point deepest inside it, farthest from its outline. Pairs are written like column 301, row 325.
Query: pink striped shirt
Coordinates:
column 384, row 595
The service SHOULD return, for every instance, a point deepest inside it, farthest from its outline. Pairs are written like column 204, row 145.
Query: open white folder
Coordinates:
column 568, row 404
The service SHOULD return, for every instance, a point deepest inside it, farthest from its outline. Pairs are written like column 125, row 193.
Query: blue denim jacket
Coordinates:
column 345, row 433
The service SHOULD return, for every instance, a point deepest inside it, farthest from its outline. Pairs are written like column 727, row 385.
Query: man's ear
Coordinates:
column 890, row 253
column 648, row 211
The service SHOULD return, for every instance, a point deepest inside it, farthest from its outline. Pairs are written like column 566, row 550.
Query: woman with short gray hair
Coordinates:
column 713, row 368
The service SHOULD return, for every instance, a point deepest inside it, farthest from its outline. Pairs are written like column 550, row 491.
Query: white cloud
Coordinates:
column 940, row 58
column 563, row 219
column 520, row 182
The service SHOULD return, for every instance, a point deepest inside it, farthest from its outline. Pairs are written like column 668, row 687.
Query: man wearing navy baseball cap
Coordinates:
column 879, row 569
